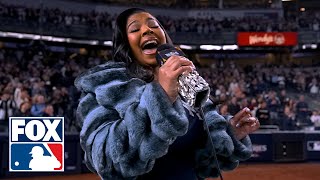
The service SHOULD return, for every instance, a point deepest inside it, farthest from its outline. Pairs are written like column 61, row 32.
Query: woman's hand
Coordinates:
column 169, row 72
column 243, row 123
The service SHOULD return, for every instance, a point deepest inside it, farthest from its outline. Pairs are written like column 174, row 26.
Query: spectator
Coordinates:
column 302, row 109
column 288, row 122
column 24, row 111
column 314, row 87
column 7, row 108
column 253, row 106
column 223, row 109
column 263, row 114
column 21, row 95
column 234, row 107
column 273, row 103
column 48, row 111
column 315, row 119
column 283, row 98
column 38, row 106
column 233, row 86
column 244, row 103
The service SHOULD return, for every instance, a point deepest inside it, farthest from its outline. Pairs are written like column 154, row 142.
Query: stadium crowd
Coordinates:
column 37, row 83
column 40, row 83
column 274, row 93
column 102, row 21
column 193, row 3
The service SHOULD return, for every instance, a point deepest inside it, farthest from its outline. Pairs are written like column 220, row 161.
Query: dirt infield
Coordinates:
column 284, row 171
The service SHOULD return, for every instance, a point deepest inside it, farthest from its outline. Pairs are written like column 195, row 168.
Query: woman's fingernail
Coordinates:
column 237, row 125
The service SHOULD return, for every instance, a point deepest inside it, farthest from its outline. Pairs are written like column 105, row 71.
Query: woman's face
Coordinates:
column 144, row 36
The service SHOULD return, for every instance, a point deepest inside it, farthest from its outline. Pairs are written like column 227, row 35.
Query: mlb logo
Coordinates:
column 36, row 144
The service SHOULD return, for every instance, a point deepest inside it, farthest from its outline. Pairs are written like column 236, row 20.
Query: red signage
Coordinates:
column 267, row 38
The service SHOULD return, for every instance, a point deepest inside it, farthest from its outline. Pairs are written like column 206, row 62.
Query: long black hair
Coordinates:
column 121, row 50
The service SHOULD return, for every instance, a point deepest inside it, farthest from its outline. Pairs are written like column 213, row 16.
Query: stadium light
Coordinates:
column 182, row 46
column 309, row 46
column 210, row 47
column 230, row 47
column 36, row 37
column 107, row 43
column 47, row 38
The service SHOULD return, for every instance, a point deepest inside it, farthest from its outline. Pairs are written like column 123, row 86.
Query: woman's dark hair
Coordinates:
column 121, row 51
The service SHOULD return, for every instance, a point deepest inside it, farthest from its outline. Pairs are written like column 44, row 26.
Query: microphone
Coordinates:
column 193, row 89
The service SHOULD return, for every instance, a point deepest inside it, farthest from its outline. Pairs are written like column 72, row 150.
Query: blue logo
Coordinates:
column 36, row 144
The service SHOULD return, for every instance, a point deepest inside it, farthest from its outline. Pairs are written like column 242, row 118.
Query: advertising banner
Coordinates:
column 267, row 38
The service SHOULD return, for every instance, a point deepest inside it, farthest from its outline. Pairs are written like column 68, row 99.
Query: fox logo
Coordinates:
column 36, row 144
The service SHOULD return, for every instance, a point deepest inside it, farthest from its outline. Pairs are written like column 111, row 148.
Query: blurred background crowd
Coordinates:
column 57, row 19
column 38, row 81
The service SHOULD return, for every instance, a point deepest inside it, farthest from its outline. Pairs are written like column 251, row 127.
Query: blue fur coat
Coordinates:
column 127, row 124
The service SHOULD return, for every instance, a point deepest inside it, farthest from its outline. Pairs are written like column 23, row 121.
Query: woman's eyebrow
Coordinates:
column 131, row 23
column 150, row 19
column 135, row 21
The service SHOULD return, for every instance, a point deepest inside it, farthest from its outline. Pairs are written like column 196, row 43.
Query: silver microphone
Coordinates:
column 193, row 89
